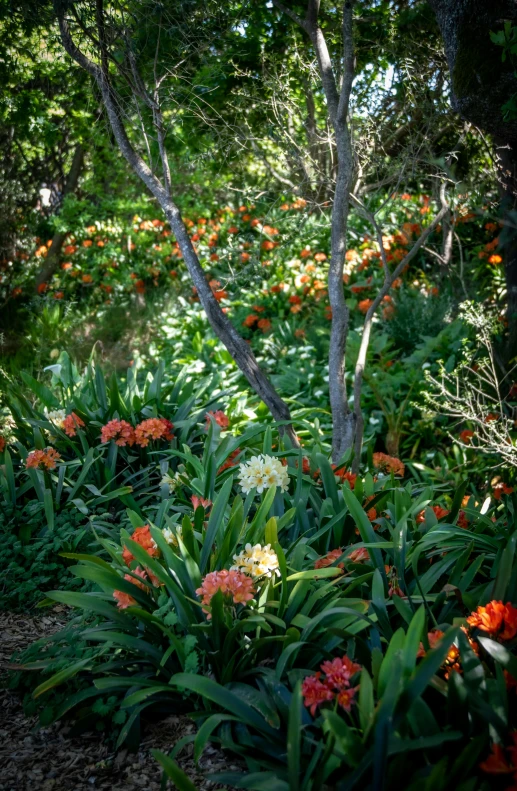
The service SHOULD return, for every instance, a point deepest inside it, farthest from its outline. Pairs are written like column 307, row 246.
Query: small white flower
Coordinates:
column 170, row 536
column 171, row 481
column 263, row 472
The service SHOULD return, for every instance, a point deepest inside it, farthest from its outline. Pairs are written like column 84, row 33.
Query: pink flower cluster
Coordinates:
column 335, row 686
column 123, row 433
column 234, row 583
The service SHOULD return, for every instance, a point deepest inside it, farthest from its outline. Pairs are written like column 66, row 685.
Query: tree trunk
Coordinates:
column 52, row 260
column 481, row 84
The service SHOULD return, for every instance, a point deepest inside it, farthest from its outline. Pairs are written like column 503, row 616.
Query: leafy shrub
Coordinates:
column 325, row 565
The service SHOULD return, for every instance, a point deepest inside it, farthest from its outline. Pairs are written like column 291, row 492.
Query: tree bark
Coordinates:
column 481, row 84
column 52, row 260
column 220, row 323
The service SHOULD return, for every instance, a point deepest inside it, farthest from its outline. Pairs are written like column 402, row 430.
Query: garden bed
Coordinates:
column 49, row 759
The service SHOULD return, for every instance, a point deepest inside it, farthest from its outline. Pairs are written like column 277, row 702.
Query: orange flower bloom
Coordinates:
column 71, row 423
column 87, row 278
column 119, row 430
column 219, row 417
column 437, row 509
column 498, row 619
column 123, row 599
column 329, row 559
column 381, row 461
column 320, row 257
column 364, row 305
column 142, row 536
column 495, row 259
column 466, row 436
column 200, row 502
column 250, row 320
column 230, row 461
column 42, row 459
column 434, row 638
column 497, row 763
column 358, row 555
column 264, row 325
column 267, row 244
column 59, row 294
column 87, row 243
column 154, row 428
column 500, row 489
column 42, row 288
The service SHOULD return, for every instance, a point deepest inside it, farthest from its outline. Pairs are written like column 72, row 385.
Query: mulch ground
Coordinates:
column 46, row 759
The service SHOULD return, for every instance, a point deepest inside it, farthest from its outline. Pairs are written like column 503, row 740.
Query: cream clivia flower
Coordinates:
column 171, row 481
column 56, row 416
column 170, row 536
column 263, row 472
column 256, row 561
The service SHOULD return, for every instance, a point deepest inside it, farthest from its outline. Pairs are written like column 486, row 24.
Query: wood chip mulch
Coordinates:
column 46, row 759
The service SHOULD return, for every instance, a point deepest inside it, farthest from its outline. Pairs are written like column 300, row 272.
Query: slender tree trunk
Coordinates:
column 220, row 323
column 52, row 260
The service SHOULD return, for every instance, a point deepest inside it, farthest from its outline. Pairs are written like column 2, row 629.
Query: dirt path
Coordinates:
column 46, row 759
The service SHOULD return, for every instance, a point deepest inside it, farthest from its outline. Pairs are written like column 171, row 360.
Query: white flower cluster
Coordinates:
column 263, row 472
column 256, row 561
column 56, row 416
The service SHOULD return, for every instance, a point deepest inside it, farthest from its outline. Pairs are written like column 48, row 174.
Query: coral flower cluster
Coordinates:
column 497, row 619
column 124, row 599
column 257, row 561
column 219, row 417
column 142, row 536
column 438, row 511
column 234, row 584
column 263, row 472
column 336, row 684
column 123, row 433
column 385, row 463
column 329, row 559
column 42, row 459
column 71, row 423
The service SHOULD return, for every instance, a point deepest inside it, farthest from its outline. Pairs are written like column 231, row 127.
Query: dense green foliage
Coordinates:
column 346, row 625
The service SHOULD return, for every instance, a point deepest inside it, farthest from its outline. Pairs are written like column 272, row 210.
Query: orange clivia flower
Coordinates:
column 439, row 512
column 501, row 488
column 120, row 431
column 230, row 461
column 125, row 600
column 364, row 305
column 358, row 555
column 42, row 287
column 42, row 459
column 497, row 619
column 250, row 320
column 86, row 278
column 495, row 259
column 219, row 417
column 386, row 463
column 154, row 428
column 233, row 584
column 71, row 423
column 264, row 325
column 466, row 436
column 198, row 502
column 329, row 559
column 142, row 536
